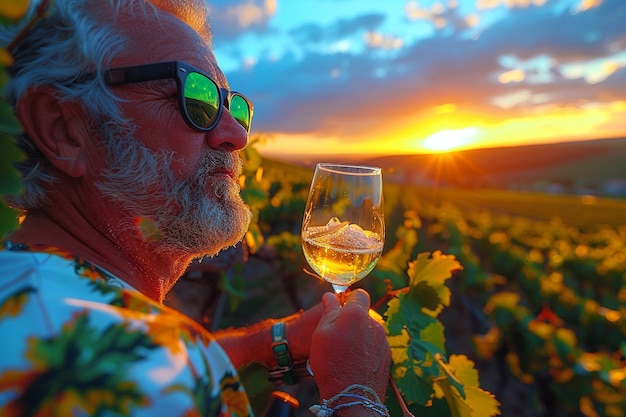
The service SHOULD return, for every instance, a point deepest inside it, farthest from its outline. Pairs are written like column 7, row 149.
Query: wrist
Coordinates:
column 287, row 371
column 280, row 347
column 249, row 344
column 355, row 400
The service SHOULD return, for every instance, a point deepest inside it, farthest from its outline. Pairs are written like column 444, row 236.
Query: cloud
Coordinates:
column 377, row 40
column 511, row 4
column 614, row 86
column 230, row 19
column 341, row 92
column 312, row 33
column 440, row 16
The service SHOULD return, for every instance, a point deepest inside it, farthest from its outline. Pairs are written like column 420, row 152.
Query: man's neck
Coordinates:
column 122, row 254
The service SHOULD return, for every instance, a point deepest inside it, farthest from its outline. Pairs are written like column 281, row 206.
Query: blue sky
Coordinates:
column 361, row 76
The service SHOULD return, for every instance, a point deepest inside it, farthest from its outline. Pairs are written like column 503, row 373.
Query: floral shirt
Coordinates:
column 76, row 341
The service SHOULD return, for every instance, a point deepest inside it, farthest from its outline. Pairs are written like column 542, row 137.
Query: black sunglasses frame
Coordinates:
column 178, row 71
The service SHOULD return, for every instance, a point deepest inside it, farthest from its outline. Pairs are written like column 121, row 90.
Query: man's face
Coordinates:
column 198, row 215
column 178, row 185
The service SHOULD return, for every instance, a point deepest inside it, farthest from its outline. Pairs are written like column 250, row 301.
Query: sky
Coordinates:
column 404, row 77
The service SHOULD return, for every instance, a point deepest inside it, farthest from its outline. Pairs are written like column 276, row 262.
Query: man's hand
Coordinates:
column 299, row 328
column 349, row 347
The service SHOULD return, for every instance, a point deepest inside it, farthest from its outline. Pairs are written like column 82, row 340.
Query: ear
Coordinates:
column 59, row 129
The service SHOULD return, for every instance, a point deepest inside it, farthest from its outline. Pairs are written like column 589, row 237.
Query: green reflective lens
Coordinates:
column 201, row 99
column 240, row 110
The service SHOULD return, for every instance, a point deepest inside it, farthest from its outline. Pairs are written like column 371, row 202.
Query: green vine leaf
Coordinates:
column 434, row 272
column 415, row 335
column 13, row 9
column 456, row 403
column 10, row 183
column 471, row 401
column 8, row 122
column 417, row 342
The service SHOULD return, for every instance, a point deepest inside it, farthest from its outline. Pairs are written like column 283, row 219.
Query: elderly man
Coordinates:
column 132, row 139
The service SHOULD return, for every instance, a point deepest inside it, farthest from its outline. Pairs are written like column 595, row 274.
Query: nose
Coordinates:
column 227, row 134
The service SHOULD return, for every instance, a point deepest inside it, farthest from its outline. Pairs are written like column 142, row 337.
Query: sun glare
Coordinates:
column 447, row 140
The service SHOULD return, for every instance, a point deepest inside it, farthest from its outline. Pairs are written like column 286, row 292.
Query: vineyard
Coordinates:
column 494, row 302
column 547, row 297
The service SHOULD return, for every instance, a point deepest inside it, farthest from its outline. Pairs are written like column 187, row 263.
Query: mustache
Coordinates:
column 221, row 162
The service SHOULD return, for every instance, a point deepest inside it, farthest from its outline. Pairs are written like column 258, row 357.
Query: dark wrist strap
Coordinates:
column 280, row 346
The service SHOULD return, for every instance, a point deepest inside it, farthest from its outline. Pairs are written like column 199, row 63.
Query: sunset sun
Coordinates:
column 447, row 140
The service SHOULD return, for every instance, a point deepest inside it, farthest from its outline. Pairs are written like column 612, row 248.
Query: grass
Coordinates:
column 583, row 211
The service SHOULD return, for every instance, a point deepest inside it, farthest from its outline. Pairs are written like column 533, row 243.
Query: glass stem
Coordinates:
column 342, row 297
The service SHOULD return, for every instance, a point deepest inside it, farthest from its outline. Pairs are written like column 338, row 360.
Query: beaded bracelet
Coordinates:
column 327, row 409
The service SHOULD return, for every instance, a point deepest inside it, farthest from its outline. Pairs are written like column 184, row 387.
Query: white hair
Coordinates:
column 74, row 39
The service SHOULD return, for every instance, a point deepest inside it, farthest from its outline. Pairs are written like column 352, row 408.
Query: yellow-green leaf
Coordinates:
column 13, row 9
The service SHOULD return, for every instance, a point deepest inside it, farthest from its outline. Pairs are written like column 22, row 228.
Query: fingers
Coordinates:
column 356, row 301
column 330, row 312
column 299, row 328
column 358, row 298
column 349, row 347
column 330, row 301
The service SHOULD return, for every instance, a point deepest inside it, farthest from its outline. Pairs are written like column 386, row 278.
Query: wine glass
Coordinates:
column 343, row 230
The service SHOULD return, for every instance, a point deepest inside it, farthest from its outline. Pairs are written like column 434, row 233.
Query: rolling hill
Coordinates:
column 593, row 166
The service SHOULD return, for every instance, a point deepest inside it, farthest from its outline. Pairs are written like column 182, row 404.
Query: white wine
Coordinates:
column 341, row 253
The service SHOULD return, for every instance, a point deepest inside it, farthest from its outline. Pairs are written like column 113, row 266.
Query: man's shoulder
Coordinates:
column 60, row 325
column 53, row 283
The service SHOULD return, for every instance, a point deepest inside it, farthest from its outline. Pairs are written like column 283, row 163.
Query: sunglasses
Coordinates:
column 200, row 99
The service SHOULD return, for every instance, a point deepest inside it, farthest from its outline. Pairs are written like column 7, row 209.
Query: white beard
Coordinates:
column 199, row 215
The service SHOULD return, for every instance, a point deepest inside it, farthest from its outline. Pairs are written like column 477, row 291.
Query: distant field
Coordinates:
column 572, row 166
column 583, row 211
column 285, row 171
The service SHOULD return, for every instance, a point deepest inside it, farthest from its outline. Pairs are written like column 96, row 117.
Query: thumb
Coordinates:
column 330, row 304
